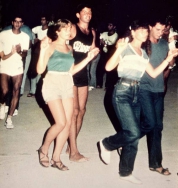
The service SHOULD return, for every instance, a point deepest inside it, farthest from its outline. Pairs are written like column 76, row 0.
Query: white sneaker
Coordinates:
column 15, row 112
column 90, row 88
column 105, row 155
column 131, row 179
column 9, row 124
column 6, row 109
column 2, row 111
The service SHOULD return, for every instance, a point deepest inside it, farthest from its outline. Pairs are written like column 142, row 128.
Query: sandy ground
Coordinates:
column 19, row 166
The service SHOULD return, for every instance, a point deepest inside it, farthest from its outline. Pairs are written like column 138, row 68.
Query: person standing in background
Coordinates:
column 170, row 36
column 92, row 66
column 28, row 31
column 107, row 45
column 15, row 45
column 40, row 33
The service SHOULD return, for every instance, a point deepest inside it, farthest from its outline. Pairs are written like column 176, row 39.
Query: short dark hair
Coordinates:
column 82, row 6
column 136, row 24
column 157, row 19
column 111, row 22
column 44, row 16
column 18, row 16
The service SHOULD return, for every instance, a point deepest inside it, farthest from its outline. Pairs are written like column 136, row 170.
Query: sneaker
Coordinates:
column 15, row 112
column 6, row 109
column 90, row 88
column 9, row 124
column 131, row 179
column 104, row 154
column 2, row 111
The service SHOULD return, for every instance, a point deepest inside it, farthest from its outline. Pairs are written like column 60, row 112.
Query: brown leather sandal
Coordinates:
column 31, row 95
column 43, row 162
column 59, row 165
column 163, row 171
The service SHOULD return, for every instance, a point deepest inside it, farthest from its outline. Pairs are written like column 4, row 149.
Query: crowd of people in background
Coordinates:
column 74, row 59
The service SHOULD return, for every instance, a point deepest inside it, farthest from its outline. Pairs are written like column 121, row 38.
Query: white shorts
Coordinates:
column 11, row 68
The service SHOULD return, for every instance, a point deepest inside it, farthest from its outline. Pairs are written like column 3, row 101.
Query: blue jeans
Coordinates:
column 33, row 83
column 152, row 107
column 27, row 63
column 127, row 108
column 92, row 71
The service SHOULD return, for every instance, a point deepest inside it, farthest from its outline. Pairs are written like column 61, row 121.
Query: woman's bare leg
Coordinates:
column 64, row 134
column 80, row 100
column 58, row 113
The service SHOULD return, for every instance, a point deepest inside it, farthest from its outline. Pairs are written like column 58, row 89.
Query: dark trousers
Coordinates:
column 127, row 108
column 152, row 107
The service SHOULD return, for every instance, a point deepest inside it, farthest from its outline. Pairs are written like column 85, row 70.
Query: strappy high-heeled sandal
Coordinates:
column 59, row 165
column 41, row 161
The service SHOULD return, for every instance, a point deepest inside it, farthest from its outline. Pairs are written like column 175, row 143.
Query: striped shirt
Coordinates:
column 131, row 64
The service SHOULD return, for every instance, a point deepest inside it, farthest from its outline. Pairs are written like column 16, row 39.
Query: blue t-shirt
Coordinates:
column 159, row 52
column 131, row 64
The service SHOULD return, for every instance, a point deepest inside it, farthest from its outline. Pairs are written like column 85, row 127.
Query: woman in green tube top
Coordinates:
column 58, row 87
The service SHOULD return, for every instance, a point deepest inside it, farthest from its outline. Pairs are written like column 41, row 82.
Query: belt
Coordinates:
column 128, row 82
column 57, row 72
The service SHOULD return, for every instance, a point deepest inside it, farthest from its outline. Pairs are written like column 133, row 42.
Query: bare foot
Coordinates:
column 78, row 158
column 68, row 150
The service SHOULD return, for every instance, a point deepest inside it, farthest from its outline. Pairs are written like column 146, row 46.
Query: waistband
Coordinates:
column 59, row 73
column 128, row 82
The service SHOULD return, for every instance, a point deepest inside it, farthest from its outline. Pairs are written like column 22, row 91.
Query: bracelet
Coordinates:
column 170, row 67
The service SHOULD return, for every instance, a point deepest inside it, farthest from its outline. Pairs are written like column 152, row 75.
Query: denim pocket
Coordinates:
column 121, row 88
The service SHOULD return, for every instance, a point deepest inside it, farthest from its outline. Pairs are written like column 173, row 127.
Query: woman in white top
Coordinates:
column 132, row 62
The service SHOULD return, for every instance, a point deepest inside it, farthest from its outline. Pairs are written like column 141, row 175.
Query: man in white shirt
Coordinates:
column 107, row 45
column 15, row 44
column 40, row 32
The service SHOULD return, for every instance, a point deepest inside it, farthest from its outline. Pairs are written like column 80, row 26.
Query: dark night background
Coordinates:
column 121, row 11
